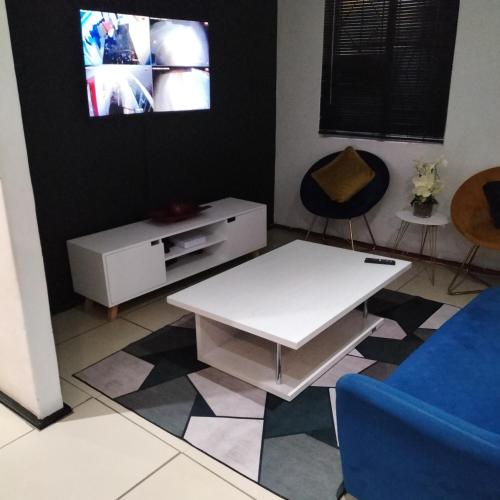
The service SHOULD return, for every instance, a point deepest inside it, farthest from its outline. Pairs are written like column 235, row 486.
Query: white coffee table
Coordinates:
column 281, row 320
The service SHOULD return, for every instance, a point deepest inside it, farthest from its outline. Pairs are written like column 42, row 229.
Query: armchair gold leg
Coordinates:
column 311, row 227
column 463, row 271
column 325, row 228
column 350, row 234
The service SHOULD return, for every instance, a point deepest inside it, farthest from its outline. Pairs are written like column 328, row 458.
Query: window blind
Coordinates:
column 387, row 68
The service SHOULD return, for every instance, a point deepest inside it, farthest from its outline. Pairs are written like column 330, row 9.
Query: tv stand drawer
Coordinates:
column 135, row 271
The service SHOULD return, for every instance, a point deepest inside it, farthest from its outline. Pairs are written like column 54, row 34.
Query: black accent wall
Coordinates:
column 93, row 174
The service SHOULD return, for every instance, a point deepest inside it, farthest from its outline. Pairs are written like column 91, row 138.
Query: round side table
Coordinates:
column 430, row 226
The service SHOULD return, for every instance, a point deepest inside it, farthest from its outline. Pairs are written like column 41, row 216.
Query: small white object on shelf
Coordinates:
column 189, row 240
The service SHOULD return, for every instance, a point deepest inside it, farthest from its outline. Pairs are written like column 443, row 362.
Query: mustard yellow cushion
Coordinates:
column 345, row 176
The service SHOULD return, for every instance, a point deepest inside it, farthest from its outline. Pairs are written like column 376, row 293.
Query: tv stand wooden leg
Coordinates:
column 112, row 313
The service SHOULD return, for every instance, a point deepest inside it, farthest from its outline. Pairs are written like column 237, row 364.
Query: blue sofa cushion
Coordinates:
column 458, row 368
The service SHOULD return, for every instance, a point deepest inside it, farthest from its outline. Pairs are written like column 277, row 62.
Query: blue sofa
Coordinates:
column 432, row 429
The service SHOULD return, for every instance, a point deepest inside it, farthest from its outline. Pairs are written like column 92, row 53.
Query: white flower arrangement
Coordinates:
column 427, row 184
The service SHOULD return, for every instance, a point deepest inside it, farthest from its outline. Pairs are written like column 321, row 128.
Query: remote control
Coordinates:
column 387, row 262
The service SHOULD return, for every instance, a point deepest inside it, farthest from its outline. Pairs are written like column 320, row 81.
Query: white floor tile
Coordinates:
column 90, row 347
column 72, row 396
column 82, row 386
column 422, row 286
column 416, row 269
column 184, row 479
column 76, row 321
column 155, row 315
column 187, row 321
column 229, row 475
column 11, row 426
column 143, row 300
column 92, row 454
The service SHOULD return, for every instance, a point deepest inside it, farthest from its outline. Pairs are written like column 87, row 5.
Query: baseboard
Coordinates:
column 32, row 419
column 362, row 245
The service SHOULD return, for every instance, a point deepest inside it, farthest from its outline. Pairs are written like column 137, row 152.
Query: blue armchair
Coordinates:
column 432, row 429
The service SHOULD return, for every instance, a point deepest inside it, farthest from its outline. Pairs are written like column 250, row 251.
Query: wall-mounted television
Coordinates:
column 139, row 64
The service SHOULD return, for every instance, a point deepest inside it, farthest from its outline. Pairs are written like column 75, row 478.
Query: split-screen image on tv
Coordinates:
column 138, row 64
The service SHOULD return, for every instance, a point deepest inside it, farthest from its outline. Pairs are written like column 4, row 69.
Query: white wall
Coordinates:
column 28, row 364
column 472, row 140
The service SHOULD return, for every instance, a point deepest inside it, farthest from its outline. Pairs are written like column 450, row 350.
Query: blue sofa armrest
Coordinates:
column 394, row 446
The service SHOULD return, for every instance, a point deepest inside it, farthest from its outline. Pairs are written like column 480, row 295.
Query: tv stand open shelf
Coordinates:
column 175, row 251
column 117, row 265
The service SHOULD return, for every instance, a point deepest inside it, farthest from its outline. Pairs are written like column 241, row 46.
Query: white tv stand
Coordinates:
column 114, row 266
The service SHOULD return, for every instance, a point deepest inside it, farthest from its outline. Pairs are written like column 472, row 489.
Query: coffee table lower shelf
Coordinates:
column 253, row 359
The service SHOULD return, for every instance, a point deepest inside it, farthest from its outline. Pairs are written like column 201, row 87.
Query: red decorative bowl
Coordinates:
column 176, row 212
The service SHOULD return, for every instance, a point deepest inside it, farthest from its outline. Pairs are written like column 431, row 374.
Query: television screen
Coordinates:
column 138, row 64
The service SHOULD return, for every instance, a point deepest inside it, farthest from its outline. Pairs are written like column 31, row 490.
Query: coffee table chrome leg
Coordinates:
column 351, row 235
column 278, row 363
column 365, row 309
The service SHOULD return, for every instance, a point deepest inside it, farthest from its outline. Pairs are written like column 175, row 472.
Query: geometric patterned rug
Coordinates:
column 289, row 448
